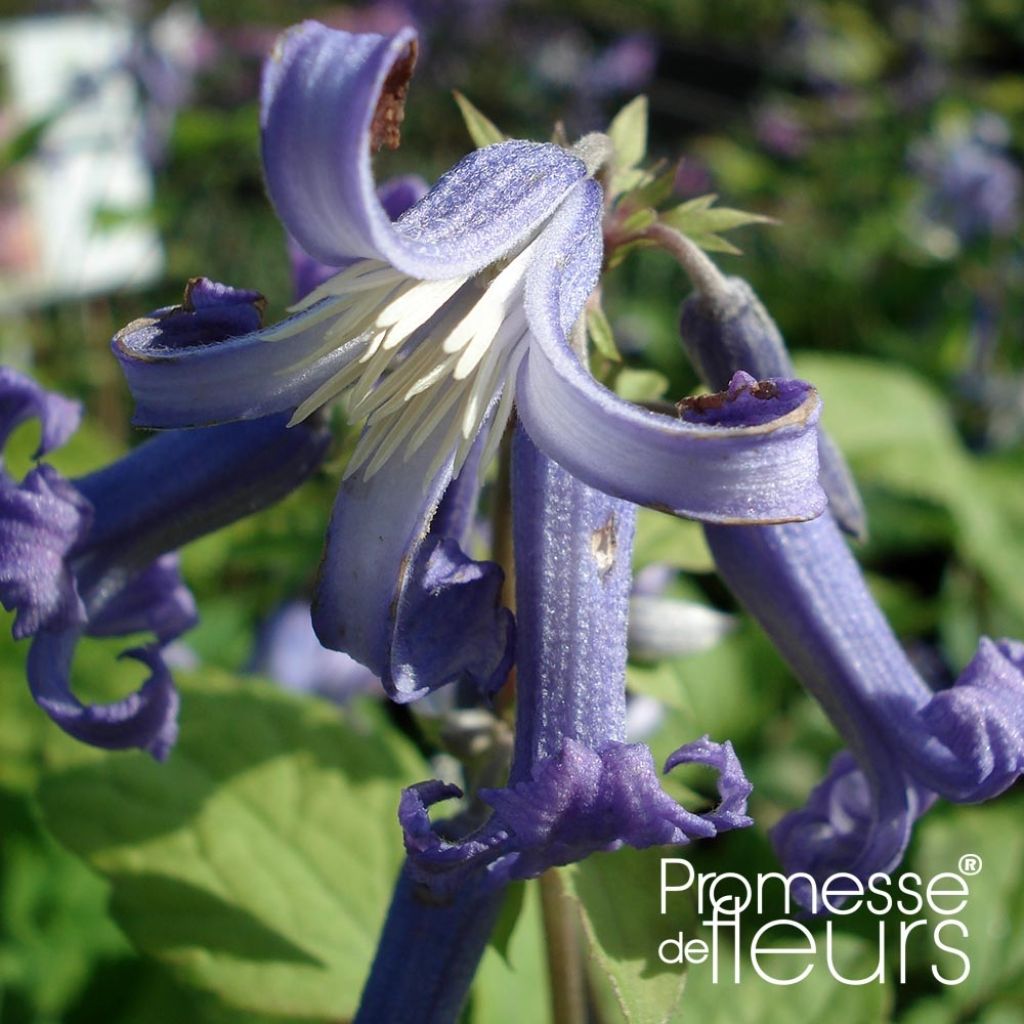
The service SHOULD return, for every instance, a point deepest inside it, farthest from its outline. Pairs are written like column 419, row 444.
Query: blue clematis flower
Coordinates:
column 907, row 743
column 438, row 323
column 576, row 786
column 94, row 556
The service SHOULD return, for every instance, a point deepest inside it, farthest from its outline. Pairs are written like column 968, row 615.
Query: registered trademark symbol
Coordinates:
column 970, row 864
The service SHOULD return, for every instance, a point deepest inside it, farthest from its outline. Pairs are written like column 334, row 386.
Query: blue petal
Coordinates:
column 328, row 97
column 147, row 719
column 183, row 484
column 21, row 399
column 735, row 332
column 154, row 601
column 408, row 603
column 207, row 362
column 575, row 787
column 756, row 461
column 965, row 743
column 41, row 522
column 575, row 802
column 851, row 824
column 428, row 953
column 396, row 196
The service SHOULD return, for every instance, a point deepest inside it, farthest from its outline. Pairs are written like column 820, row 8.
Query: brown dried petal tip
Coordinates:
column 701, row 404
column 387, row 118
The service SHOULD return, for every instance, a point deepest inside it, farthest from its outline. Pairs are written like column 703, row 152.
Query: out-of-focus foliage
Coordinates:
column 886, row 140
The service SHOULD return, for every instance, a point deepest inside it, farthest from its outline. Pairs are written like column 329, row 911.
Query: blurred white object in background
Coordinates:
column 75, row 187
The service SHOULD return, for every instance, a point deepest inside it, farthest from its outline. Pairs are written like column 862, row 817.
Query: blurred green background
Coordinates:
column 886, row 139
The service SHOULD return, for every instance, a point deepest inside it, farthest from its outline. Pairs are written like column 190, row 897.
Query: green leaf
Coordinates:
column 514, row 988
column 54, row 927
column 701, row 221
column 640, row 385
column 482, row 130
column 655, row 187
column 715, row 243
column 994, row 915
column 618, row 896
column 818, row 999
column 897, row 434
column 726, row 691
column 258, row 861
column 511, row 908
column 628, row 132
column 600, row 331
column 664, row 538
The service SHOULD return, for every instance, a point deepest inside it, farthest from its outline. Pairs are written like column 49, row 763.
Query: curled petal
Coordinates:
column 147, row 719
column 733, row 786
column 206, row 361
column 849, row 824
column 155, row 601
column 965, row 743
column 21, row 399
column 978, row 727
column 41, row 521
column 409, row 604
column 734, row 332
column 396, row 196
column 752, row 459
column 328, row 99
column 576, row 802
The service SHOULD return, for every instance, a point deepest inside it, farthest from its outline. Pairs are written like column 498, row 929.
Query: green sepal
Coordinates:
column 600, row 331
column 482, row 130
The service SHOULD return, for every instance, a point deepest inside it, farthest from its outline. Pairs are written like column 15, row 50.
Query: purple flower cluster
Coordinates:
column 443, row 317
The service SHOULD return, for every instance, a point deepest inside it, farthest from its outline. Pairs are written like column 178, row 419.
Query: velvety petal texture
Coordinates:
column 965, row 743
column 750, row 458
column 575, row 786
column 206, row 361
column 41, row 521
column 850, row 823
column 397, row 591
column 155, row 601
column 396, row 195
column 329, row 99
column 43, row 517
column 733, row 331
column 167, row 492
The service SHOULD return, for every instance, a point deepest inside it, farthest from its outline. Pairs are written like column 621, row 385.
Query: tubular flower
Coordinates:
column 732, row 331
column 907, row 743
column 94, row 556
column 438, row 323
column 576, row 786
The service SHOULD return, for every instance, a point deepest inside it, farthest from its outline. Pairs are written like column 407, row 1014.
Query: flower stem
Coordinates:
column 705, row 277
column 564, row 951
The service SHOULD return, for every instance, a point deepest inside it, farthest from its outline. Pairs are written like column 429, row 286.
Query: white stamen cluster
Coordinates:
column 423, row 357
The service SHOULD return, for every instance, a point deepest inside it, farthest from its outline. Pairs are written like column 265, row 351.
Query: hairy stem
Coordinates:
column 564, row 951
